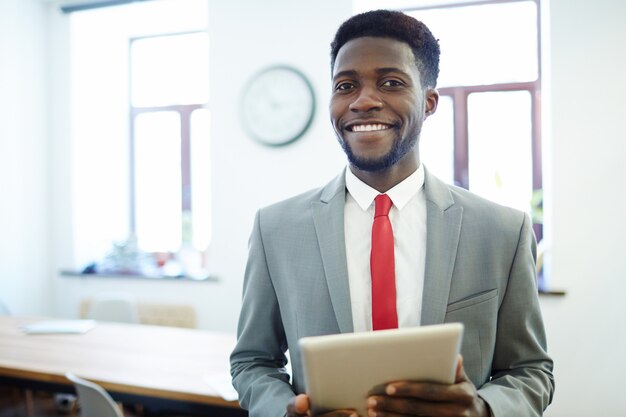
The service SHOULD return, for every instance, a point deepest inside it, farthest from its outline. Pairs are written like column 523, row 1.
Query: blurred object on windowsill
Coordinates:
column 536, row 206
column 539, row 266
column 126, row 259
column 543, row 284
column 97, row 275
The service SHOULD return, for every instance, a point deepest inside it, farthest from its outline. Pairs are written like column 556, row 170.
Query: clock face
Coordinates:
column 278, row 106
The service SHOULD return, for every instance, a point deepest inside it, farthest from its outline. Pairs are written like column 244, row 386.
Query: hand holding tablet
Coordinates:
column 341, row 370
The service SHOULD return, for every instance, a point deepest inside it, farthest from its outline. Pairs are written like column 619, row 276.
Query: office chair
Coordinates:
column 114, row 306
column 107, row 306
column 94, row 401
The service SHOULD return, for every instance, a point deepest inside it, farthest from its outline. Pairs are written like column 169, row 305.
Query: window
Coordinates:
column 169, row 127
column 486, row 133
column 140, row 128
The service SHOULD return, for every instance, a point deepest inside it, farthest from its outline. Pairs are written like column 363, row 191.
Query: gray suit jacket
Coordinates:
column 480, row 270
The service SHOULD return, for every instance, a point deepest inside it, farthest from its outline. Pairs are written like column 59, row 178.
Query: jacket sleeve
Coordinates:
column 258, row 360
column 522, row 383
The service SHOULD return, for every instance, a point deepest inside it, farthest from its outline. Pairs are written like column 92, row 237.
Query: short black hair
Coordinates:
column 395, row 25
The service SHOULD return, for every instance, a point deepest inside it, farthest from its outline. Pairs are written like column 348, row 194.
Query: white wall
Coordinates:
column 245, row 37
column 586, row 164
column 24, row 165
column 587, row 336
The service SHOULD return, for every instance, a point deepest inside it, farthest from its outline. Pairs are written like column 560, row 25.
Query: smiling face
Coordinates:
column 378, row 105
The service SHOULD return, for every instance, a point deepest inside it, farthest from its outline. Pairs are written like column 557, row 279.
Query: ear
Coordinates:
column 432, row 99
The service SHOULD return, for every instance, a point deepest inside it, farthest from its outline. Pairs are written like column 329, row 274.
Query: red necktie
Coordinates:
column 382, row 266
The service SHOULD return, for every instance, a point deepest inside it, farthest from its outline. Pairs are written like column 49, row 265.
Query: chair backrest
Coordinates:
column 113, row 306
column 94, row 401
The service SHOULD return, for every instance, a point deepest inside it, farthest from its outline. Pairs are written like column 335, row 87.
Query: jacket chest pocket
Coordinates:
column 479, row 315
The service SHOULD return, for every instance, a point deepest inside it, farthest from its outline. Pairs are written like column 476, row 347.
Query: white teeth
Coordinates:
column 369, row 128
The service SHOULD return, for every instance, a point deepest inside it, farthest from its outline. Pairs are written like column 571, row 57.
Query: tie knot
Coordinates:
column 383, row 205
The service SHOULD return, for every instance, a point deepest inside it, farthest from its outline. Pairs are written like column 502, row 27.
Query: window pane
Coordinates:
column 168, row 70
column 500, row 150
column 158, row 181
column 437, row 141
column 200, row 179
column 486, row 44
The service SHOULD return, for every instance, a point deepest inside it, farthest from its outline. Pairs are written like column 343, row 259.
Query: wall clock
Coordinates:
column 277, row 105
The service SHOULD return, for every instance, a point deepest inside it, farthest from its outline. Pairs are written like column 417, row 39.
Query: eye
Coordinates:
column 344, row 86
column 392, row 83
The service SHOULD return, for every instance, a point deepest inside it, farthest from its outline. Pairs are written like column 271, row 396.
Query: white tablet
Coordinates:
column 340, row 369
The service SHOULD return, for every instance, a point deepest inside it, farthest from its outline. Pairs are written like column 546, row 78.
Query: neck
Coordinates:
column 383, row 181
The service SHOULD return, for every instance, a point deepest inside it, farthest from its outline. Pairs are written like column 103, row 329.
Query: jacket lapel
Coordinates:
column 328, row 216
column 443, row 219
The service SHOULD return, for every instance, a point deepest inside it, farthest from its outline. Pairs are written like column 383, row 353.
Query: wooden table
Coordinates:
column 161, row 367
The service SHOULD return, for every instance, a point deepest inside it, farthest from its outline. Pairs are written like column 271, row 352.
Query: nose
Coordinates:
column 366, row 100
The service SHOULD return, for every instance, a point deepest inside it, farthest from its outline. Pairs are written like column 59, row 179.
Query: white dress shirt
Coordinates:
column 408, row 220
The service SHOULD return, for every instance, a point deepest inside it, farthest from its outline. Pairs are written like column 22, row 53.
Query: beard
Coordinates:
column 399, row 149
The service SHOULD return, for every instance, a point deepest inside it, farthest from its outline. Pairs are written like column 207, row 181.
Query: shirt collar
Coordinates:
column 400, row 194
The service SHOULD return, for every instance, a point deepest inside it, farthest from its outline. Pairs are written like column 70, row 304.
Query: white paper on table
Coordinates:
column 59, row 326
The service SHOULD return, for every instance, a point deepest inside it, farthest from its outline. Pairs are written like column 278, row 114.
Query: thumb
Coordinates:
column 302, row 404
column 460, row 372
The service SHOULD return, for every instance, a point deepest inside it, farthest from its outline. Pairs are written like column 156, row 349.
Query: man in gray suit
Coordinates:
column 458, row 258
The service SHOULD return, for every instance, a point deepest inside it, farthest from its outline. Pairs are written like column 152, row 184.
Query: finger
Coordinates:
column 339, row 413
column 460, row 371
column 302, row 404
column 378, row 390
column 419, row 390
column 379, row 406
column 298, row 406
column 385, row 406
column 431, row 392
